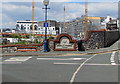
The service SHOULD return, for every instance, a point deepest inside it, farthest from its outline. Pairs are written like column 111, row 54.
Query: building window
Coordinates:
column 30, row 27
column 35, row 27
column 17, row 26
column 22, row 27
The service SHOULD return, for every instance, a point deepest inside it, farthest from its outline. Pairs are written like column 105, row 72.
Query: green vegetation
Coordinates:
column 51, row 37
column 36, row 41
column 15, row 36
column 23, row 39
column 27, row 36
column 19, row 36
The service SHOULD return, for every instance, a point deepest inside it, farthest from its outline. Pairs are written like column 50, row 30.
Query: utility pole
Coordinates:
column 33, row 6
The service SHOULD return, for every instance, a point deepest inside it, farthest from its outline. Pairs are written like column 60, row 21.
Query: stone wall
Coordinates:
column 13, row 48
column 96, row 40
column 111, row 37
column 101, row 39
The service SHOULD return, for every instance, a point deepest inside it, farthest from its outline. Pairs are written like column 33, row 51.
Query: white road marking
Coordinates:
column 100, row 64
column 87, row 64
column 10, row 62
column 112, row 59
column 113, row 63
column 66, row 63
column 0, row 59
column 60, row 58
column 119, row 56
column 22, row 59
column 75, row 73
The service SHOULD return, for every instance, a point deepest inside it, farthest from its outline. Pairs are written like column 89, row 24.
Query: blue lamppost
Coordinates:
column 46, row 3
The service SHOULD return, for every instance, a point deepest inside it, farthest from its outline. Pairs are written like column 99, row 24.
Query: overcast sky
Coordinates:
column 13, row 11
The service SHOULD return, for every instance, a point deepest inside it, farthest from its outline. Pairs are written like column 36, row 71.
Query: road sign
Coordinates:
column 45, row 24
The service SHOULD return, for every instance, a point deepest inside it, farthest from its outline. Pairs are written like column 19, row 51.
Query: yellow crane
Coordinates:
column 86, row 20
column 65, row 30
column 33, row 6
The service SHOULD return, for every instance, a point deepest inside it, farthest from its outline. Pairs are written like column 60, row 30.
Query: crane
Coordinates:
column 64, row 18
column 33, row 6
column 86, row 20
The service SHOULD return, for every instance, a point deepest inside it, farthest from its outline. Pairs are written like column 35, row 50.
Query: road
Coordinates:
column 97, row 68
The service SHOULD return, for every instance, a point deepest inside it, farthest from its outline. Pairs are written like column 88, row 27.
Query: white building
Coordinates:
column 12, row 40
column 103, row 24
column 26, row 27
column 1, row 30
column 107, row 20
column 50, row 30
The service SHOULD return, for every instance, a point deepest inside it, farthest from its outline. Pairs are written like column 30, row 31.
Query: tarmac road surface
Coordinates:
column 82, row 68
